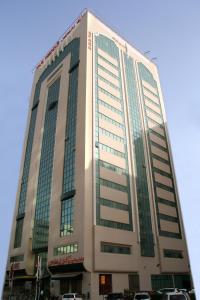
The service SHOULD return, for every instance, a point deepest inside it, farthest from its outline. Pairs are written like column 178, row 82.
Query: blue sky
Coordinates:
column 169, row 29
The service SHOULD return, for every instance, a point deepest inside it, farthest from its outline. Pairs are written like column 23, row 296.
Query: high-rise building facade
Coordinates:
column 97, row 197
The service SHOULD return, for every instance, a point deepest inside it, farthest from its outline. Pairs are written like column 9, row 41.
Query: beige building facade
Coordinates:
column 97, row 196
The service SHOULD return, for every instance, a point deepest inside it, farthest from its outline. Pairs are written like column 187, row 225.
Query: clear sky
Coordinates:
column 170, row 29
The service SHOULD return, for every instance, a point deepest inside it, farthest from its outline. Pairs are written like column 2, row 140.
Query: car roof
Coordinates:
column 175, row 293
column 169, row 288
column 140, row 294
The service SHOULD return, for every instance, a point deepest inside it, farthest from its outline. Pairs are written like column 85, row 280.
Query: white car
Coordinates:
column 175, row 296
column 141, row 296
column 72, row 296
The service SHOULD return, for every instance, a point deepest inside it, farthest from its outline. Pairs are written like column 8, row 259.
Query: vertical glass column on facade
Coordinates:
column 146, row 234
column 41, row 221
column 68, row 188
column 25, row 173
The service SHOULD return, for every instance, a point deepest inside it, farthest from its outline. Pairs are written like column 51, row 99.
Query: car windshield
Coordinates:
column 177, row 297
column 142, row 296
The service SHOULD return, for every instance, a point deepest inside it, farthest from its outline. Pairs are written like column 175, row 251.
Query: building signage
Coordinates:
column 60, row 41
column 89, row 40
column 68, row 260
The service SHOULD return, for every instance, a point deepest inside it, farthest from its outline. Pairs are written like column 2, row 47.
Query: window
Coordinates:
column 134, row 284
column 105, row 284
column 108, row 82
column 162, row 172
column 117, row 111
column 110, row 203
column 168, row 218
column 18, row 233
column 111, row 150
column 114, row 224
column 112, row 185
column 112, row 167
column 114, row 122
column 67, row 213
column 165, row 281
column 153, row 111
column 115, row 248
column 107, row 71
column 173, row 253
column 170, row 234
column 66, row 249
column 164, row 187
column 17, row 258
column 161, row 281
column 111, row 135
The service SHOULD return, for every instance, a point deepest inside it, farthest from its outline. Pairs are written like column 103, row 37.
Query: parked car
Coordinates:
column 115, row 296
column 72, row 296
column 142, row 296
column 175, row 296
column 192, row 294
column 188, row 297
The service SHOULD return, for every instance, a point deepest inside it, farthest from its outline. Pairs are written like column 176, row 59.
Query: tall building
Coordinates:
column 97, row 197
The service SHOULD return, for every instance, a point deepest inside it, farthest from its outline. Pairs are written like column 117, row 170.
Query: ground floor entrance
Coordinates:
column 66, row 283
column 93, row 285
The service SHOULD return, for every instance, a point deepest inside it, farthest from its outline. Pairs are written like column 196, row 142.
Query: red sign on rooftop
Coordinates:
column 60, row 40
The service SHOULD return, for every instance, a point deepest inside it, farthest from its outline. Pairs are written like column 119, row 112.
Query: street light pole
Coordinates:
column 38, row 276
column 173, row 281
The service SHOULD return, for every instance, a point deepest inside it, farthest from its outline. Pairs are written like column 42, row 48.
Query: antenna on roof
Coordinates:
column 147, row 52
column 154, row 58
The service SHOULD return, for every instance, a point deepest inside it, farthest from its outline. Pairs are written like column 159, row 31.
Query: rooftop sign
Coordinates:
column 59, row 44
